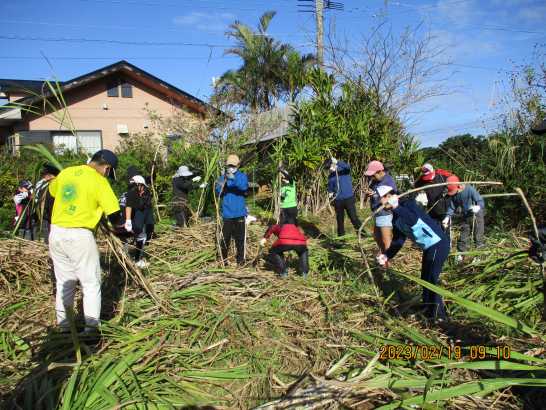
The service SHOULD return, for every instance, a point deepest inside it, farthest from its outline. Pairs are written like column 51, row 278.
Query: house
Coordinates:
column 102, row 107
column 271, row 125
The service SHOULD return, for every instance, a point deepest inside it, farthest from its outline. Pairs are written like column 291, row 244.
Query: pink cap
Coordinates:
column 373, row 167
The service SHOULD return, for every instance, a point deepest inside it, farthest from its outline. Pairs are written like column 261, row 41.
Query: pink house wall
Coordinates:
column 86, row 108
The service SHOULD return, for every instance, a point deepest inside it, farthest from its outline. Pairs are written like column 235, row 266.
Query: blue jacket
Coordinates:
column 375, row 201
column 340, row 182
column 233, row 194
column 464, row 200
column 410, row 221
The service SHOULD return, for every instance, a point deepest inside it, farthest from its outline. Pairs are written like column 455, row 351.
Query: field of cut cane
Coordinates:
column 227, row 337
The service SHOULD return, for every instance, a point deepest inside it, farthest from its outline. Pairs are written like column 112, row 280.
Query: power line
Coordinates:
column 122, row 42
column 116, row 58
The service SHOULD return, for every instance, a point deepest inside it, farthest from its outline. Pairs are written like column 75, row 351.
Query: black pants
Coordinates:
column 348, row 205
column 233, row 228
column 431, row 268
column 181, row 216
column 143, row 223
column 276, row 258
column 289, row 216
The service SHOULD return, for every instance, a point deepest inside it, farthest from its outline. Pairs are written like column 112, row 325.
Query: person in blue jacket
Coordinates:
column 232, row 187
column 340, row 189
column 410, row 221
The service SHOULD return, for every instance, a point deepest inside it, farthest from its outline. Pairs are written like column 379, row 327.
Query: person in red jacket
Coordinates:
column 290, row 238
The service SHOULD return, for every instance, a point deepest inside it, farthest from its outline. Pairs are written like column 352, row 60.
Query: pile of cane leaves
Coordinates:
column 243, row 338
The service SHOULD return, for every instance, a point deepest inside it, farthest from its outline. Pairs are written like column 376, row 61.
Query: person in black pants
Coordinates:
column 340, row 189
column 139, row 217
column 290, row 238
column 183, row 183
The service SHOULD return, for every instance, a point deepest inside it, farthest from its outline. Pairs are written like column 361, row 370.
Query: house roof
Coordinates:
column 7, row 85
column 274, row 124
column 119, row 67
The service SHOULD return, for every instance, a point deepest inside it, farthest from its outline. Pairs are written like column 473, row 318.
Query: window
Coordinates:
column 112, row 88
column 126, row 90
column 85, row 141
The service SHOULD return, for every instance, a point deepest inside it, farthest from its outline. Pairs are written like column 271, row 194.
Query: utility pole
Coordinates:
column 319, row 7
column 306, row 6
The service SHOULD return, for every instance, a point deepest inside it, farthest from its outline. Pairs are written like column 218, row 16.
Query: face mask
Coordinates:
column 232, row 170
column 393, row 201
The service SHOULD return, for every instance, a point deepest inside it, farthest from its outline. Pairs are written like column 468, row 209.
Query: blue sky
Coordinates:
column 483, row 38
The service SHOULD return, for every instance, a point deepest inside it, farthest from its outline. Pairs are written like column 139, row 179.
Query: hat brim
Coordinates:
column 186, row 174
column 428, row 177
column 370, row 172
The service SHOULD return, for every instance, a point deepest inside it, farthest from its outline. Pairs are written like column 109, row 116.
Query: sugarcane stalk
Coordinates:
column 152, row 185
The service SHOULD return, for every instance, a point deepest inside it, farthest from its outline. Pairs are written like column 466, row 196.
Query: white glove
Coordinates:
column 196, row 179
column 203, row 185
column 263, row 241
column 445, row 222
column 16, row 218
column 382, row 259
column 334, row 161
column 333, row 168
column 249, row 219
column 18, row 198
column 475, row 209
column 128, row 225
column 330, row 195
column 422, row 199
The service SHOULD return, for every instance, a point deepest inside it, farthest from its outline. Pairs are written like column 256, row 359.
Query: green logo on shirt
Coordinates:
column 69, row 192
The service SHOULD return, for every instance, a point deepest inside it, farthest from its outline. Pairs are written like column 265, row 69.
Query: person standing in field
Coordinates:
column 43, row 199
column 139, row 216
column 232, row 187
column 289, row 200
column 290, row 238
column 340, row 189
column 183, row 183
column 82, row 196
column 24, row 218
column 472, row 206
column 435, row 199
column 410, row 221
column 382, row 219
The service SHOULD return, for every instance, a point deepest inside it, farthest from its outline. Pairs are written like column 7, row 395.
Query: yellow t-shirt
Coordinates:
column 81, row 195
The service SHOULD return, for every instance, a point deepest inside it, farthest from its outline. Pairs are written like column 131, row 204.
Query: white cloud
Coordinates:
column 205, row 21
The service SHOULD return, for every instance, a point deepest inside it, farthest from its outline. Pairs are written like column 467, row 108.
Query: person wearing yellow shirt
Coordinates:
column 82, row 195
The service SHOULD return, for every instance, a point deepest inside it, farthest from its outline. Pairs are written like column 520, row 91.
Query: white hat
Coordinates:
column 183, row 171
column 427, row 169
column 138, row 179
column 383, row 190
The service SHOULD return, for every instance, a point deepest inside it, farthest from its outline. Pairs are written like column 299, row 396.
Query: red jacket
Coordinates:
column 437, row 171
column 288, row 234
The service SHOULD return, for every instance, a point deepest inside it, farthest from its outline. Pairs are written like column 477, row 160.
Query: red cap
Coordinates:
column 373, row 167
column 452, row 188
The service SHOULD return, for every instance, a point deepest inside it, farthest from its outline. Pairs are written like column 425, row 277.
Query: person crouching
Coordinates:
column 410, row 221
column 139, row 216
column 290, row 238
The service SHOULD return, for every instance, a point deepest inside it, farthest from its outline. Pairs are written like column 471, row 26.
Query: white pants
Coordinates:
column 76, row 258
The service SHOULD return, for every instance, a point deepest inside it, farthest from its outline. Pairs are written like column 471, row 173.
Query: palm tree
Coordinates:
column 271, row 70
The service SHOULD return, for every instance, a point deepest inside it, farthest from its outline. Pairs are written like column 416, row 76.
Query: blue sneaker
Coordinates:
column 284, row 274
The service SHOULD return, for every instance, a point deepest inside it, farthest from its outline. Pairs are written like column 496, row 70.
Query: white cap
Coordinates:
column 183, row 171
column 383, row 190
column 427, row 169
column 138, row 179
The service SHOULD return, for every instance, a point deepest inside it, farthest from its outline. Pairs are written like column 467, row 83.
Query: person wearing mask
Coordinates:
column 24, row 218
column 382, row 219
column 290, row 238
column 139, row 216
column 232, row 187
column 411, row 221
column 183, row 183
column 340, row 189
column 82, row 196
column 43, row 201
column 289, row 200
column 468, row 199
column 435, row 199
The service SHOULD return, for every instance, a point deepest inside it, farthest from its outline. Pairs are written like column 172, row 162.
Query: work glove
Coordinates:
column 382, row 260
column 196, row 179
column 475, row 209
column 128, row 225
column 16, row 218
column 249, row 219
column 393, row 201
column 334, row 161
column 421, row 199
column 20, row 196
column 445, row 222
column 330, row 195
column 203, row 185
column 263, row 241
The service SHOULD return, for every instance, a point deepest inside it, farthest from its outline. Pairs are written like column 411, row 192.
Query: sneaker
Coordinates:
column 142, row 264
